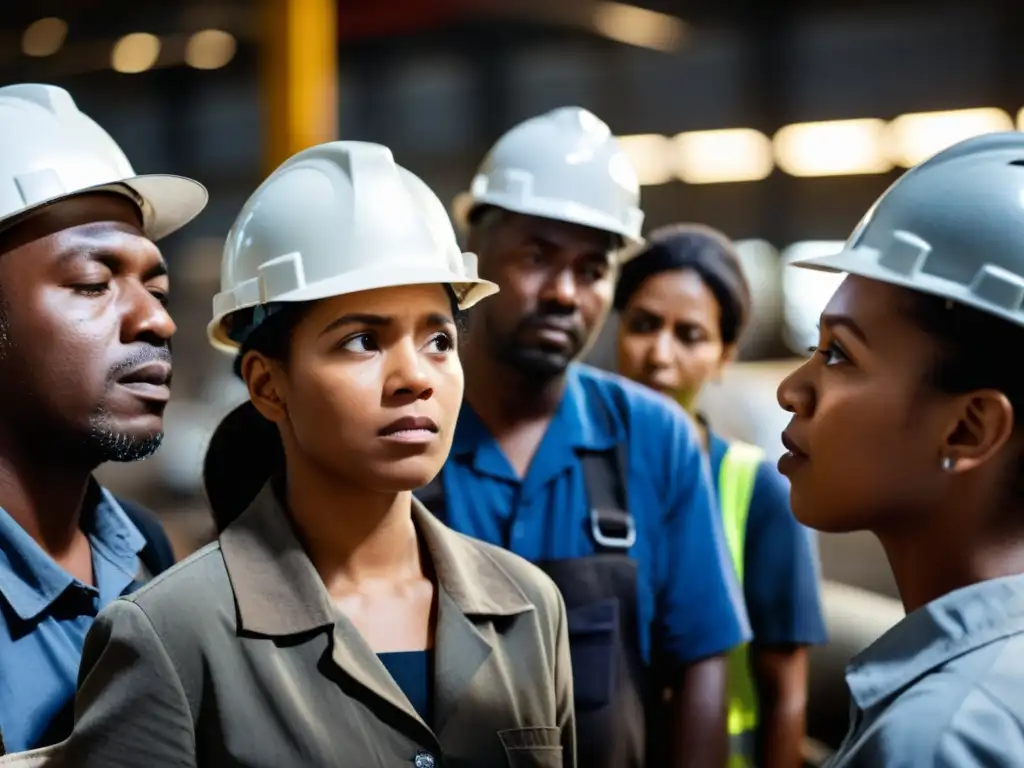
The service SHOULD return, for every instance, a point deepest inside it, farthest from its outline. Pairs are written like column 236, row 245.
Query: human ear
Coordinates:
column 729, row 352
column 983, row 424
column 266, row 384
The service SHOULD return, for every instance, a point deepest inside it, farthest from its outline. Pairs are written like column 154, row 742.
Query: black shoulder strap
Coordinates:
column 604, row 476
column 157, row 556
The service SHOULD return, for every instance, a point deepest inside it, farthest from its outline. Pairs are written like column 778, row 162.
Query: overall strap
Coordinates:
column 604, row 476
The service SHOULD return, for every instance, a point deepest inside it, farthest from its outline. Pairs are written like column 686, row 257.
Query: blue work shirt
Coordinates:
column 45, row 614
column 781, row 572
column 689, row 603
column 944, row 688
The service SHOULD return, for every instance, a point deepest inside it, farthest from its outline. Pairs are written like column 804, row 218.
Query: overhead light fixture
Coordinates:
column 1020, row 119
column 44, row 37
column 650, row 155
column 639, row 26
column 832, row 148
column 210, row 49
column 135, row 53
column 727, row 155
column 915, row 137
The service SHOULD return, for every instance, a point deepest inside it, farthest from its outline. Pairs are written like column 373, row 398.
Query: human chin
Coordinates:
column 112, row 439
column 540, row 362
column 407, row 474
column 822, row 514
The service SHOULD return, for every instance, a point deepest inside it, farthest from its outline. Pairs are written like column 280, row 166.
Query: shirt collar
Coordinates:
column 279, row 592
column 951, row 626
column 585, row 416
column 30, row 580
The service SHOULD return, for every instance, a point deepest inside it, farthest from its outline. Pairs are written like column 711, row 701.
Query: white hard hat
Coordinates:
column 952, row 227
column 49, row 150
column 338, row 218
column 563, row 165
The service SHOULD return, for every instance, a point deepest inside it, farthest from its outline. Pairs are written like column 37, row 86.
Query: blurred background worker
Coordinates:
column 908, row 422
column 683, row 305
column 85, row 369
column 600, row 481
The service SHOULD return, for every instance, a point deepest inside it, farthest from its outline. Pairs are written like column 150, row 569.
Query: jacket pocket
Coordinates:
column 593, row 640
column 532, row 747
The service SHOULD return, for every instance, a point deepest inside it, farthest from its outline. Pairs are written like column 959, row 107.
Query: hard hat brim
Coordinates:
column 465, row 203
column 167, row 202
column 834, row 262
column 468, row 292
column 863, row 262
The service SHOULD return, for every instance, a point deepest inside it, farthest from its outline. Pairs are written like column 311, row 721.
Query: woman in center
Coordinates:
column 335, row 623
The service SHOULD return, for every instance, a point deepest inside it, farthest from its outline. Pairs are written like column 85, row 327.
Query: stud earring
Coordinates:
column 948, row 462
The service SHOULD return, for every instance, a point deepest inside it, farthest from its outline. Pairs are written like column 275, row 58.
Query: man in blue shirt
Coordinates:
column 85, row 369
column 599, row 481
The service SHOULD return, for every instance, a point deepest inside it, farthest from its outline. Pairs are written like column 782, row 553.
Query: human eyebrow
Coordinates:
column 437, row 320
column 356, row 318
column 833, row 321
column 109, row 258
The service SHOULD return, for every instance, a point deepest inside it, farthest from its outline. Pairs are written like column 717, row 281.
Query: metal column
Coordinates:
column 299, row 62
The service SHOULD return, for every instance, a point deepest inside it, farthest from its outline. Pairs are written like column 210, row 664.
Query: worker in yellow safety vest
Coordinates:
column 683, row 303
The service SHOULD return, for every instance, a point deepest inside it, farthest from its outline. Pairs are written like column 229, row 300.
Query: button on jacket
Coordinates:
column 238, row 657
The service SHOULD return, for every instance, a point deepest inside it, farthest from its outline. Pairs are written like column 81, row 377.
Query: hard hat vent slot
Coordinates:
column 998, row 286
column 906, row 254
column 1018, row 163
column 39, row 186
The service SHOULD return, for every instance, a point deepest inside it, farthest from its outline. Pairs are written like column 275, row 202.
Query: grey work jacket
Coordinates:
column 237, row 657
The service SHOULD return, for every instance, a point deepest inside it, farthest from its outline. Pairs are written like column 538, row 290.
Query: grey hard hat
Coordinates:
column 952, row 226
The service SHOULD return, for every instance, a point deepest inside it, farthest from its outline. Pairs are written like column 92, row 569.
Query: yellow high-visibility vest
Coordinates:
column 736, row 479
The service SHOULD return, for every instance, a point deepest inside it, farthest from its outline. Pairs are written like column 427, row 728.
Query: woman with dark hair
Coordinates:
column 683, row 303
column 908, row 421
column 335, row 622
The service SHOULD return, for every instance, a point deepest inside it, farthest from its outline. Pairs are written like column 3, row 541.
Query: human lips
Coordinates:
column 410, row 430
column 150, row 380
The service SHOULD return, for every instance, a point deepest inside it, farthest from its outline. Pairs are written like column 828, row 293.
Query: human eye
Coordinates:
column 361, row 343
column 442, row 342
column 833, row 353
column 91, row 289
column 643, row 323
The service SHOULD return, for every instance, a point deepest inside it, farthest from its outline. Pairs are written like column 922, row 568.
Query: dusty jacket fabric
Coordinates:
column 237, row 657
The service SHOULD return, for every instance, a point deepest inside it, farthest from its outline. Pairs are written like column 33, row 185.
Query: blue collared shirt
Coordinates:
column 45, row 614
column 781, row 573
column 689, row 602
column 944, row 688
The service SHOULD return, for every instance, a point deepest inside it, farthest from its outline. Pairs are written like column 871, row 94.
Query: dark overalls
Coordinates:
column 609, row 674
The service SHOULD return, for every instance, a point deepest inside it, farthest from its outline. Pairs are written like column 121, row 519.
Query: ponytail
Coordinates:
column 244, row 453
column 246, row 450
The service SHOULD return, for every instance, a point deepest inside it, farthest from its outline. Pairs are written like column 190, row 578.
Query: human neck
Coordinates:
column 352, row 535
column 504, row 395
column 930, row 561
column 702, row 429
column 44, row 495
